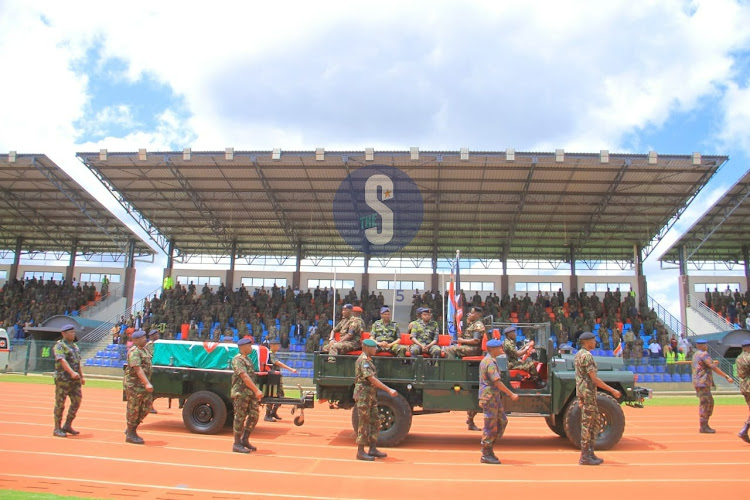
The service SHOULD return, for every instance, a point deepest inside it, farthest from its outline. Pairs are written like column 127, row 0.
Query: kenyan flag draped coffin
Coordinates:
column 204, row 355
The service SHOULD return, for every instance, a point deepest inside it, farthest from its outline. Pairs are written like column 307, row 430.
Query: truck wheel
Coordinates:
column 204, row 413
column 395, row 419
column 613, row 422
column 556, row 424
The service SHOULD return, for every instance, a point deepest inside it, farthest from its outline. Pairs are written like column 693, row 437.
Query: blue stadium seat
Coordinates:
column 661, row 368
column 639, row 377
column 686, row 377
column 641, row 369
column 610, row 352
column 658, row 377
column 96, row 362
column 676, row 377
column 650, row 369
column 648, row 378
column 75, row 313
column 88, row 362
column 631, row 368
column 596, row 327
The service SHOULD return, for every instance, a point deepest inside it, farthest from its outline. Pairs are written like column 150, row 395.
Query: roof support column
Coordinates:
column 230, row 274
column 16, row 261
column 129, row 285
column 504, row 288
column 435, row 283
column 170, row 259
column 72, row 263
column 366, row 276
column 296, row 277
column 642, row 287
column 684, row 283
column 573, row 277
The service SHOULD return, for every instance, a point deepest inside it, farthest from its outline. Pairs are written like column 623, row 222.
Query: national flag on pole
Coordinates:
column 455, row 307
column 618, row 349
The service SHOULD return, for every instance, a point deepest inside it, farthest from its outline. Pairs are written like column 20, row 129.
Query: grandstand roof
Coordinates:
column 533, row 205
column 43, row 205
column 719, row 234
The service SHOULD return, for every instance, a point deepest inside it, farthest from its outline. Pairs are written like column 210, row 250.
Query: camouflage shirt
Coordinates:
column 474, row 331
column 364, row 368
column 511, row 352
column 385, row 333
column 150, row 348
column 702, row 372
column 342, row 326
column 743, row 371
column 70, row 353
column 585, row 387
column 489, row 373
column 425, row 334
column 355, row 327
column 241, row 364
column 137, row 357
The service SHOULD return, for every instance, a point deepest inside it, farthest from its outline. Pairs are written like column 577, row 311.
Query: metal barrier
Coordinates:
column 710, row 315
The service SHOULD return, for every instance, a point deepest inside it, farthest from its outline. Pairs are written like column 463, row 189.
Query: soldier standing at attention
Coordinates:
column 703, row 368
column 586, row 383
column 153, row 336
column 366, row 384
column 387, row 334
column 424, row 334
column 138, row 388
column 743, row 372
column 245, row 398
column 490, row 387
column 68, row 380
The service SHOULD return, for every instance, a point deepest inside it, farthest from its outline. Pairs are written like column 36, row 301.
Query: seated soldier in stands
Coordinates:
column 424, row 334
column 514, row 354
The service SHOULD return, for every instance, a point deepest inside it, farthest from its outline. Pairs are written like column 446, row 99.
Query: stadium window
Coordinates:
column 251, row 282
column 478, row 286
column 710, row 287
column 399, row 285
column 46, row 276
column 199, row 281
column 340, row 284
column 541, row 286
column 98, row 277
column 601, row 288
column 3, row 275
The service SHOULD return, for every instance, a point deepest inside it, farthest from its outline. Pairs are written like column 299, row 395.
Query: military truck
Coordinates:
column 199, row 376
column 437, row 385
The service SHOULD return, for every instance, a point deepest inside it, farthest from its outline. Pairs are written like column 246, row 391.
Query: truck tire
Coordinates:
column 556, row 424
column 395, row 419
column 204, row 412
column 613, row 422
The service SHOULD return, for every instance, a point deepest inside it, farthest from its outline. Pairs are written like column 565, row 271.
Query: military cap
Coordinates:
column 385, row 309
column 346, row 306
column 425, row 310
column 224, row 338
column 357, row 309
column 494, row 343
column 476, row 308
column 586, row 336
column 139, row 334
column 509, row 329
column 746, row 343
column 369, row 343
column 244, row 341
column 701, row 341
column 67, row 327
column 153, row 332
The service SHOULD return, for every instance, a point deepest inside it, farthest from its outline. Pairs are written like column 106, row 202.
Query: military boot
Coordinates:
column 373, row 451
column 743, row 433
column 593, row 456
column 245, row 441
column 131, row 436
column 705, row 429
column 67, row 429
column 275, row 412
column 58, row 431
column 488, row 456
column 361, row 455
column 269, row 416
column 586, row 458
column 238, row 447
column 471, row 425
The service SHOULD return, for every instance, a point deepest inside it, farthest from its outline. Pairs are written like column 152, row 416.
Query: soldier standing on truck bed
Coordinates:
column 490, row 387
column 586, row 384
column 245, row 398
column 68, row 380
column 366, row 384
column 138, row 388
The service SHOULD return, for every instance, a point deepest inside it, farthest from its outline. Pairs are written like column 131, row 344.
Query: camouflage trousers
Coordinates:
column 139, row 405
column 591, row 422
column 246, row 413
column 747, row 400
column 705, row 403
column 368, row 423
column 461, row 351
column 397, row 350
column 527, row 366
column 343, row 347
column 495, row 420
column 67, row 389
column 417, row 351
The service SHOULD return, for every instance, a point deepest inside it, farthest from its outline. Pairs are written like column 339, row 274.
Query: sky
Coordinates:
column 669, row 76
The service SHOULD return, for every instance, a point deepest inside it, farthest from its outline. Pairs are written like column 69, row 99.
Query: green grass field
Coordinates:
column 22, row 495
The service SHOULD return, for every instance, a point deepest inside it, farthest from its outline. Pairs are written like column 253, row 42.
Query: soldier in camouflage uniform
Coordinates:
column 490, row 387
column 386, row 334
column 341, row 327
column 272, row 411
column 469, row 344
column 68, row 381
column 245, row 398
column 366, row 384
column 351, row 338
column 514, row 354
column 424, row 334
column 586, row 383
column 138, row 388
column 743, row 372
column 703, row 368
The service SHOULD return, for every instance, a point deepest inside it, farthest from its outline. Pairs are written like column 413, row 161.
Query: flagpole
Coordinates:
column 444, row 310
column 393, row 314
column 333, row 318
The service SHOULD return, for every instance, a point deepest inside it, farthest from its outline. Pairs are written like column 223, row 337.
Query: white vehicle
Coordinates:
column 4, row 350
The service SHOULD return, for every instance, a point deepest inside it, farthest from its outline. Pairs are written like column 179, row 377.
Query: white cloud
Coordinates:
column 736, row 127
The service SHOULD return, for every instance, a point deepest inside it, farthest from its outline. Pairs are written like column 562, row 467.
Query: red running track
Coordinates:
column 660, row 454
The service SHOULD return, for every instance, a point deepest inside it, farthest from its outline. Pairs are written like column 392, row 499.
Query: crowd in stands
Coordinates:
column 25, row 303
column 734, row 307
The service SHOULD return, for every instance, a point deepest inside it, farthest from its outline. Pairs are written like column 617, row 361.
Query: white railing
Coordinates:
column 710, row 315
